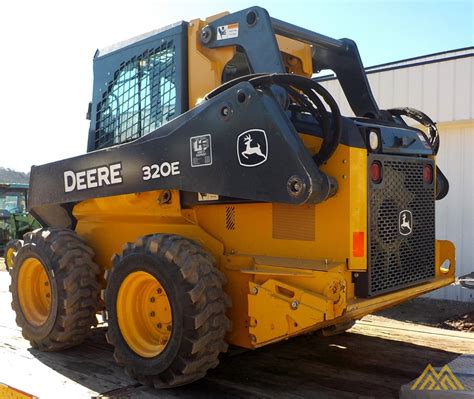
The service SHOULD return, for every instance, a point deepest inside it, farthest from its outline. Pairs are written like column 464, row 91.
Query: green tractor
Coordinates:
column 14, row 219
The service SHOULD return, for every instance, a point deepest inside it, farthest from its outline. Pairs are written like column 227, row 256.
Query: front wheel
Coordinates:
column 55, row 289
column 166, row 310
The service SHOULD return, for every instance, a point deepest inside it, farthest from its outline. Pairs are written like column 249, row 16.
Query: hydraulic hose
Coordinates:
column 307, row 94
column 423, row 119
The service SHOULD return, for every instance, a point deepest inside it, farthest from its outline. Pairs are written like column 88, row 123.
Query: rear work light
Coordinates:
column 376, row 172
column 374, row 140
column 428, row 174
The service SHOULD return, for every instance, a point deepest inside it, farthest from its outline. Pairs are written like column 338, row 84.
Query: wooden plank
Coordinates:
column 455, row 341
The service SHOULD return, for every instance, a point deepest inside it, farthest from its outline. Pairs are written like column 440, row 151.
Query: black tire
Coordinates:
column 13, row 246
column 198, row 306
column 75, row 288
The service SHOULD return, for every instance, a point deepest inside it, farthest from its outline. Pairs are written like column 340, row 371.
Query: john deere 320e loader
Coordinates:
column 225, row 200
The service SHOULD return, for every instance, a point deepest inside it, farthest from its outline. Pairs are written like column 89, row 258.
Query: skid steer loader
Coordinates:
column 225, row 200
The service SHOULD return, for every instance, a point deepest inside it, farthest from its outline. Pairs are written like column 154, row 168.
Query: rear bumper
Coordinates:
column 444, row 253
column 278, row 309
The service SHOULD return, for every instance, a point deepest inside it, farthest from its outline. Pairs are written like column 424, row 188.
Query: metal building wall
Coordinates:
column 455, row 213
column 442, row 87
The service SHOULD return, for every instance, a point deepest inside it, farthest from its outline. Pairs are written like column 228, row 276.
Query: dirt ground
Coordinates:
column 450, row 315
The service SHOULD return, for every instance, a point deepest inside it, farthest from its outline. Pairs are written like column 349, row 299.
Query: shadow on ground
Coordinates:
column 346, row 366
column 430, row 312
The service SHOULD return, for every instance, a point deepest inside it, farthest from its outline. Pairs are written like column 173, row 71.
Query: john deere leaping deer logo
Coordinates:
column 405, row 222
column 252, row 148
column 249, row 150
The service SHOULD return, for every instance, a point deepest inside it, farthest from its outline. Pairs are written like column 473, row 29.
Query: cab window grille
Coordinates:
column 140, row 98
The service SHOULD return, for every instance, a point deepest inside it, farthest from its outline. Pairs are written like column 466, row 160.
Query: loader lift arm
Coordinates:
column 161, row 160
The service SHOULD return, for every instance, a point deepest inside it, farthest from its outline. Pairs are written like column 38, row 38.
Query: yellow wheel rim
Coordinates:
column 9, row 257
column 34, row 291
column 144, row 314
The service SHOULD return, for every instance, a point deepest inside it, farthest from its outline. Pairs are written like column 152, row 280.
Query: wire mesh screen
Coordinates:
column 140, row 98
column 397, row 260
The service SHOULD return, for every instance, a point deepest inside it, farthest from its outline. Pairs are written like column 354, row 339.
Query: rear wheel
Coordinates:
column 166, row 310
column 55, row 289
column 11, row 250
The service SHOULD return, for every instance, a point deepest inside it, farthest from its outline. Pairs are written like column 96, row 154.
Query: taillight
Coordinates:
column 376, row 172
column 428, row 174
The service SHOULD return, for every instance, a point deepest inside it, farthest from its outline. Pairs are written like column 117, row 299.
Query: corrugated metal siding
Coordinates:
column 445, row 92
column 455, row 213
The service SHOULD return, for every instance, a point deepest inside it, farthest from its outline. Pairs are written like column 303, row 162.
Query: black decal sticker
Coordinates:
column 405, row 222
column 201, row 150
column 252, row 148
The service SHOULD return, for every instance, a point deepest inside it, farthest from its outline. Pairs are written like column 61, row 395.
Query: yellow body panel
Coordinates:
column 109, row 223
column 296, row 56
column 204, row 65
column 289, row 268
column 7, row 392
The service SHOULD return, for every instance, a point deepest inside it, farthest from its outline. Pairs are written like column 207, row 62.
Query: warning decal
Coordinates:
column 227, row 31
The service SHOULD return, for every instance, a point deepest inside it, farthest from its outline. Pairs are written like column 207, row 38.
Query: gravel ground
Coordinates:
column 462, row 323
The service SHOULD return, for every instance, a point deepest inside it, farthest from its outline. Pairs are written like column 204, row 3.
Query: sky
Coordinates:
column 47, row 48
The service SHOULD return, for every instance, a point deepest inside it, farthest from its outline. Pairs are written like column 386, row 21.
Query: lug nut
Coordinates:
column 152, row 314
column 152, row 299
column 158, row 325
column 159, row 290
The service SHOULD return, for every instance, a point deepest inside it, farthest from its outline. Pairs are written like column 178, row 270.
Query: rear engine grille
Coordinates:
column 402, row 202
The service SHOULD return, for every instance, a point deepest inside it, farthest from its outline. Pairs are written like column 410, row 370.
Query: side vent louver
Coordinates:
column 230, row 217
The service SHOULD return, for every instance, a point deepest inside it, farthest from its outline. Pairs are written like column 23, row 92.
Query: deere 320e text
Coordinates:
column 225, row 200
